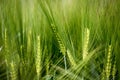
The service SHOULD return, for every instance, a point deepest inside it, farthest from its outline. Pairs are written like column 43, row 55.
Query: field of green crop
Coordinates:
column 59, row 39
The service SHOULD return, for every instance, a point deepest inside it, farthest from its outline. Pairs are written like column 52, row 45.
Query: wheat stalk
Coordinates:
column 29, row 42
column 6, row 50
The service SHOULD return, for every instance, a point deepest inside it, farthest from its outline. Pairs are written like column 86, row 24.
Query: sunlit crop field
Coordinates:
column 59, row 39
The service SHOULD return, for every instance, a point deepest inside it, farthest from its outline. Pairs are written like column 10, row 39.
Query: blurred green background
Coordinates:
column 59, row 39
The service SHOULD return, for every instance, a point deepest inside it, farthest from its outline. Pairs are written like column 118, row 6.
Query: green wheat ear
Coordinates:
column 108, row 65
column 109, row 70
column 86, row 42
column 114, row 70
column 72, row 61
column 62, row 46
column 38, row 58
column 103, row 75
column 13, row 72
column 60, row 42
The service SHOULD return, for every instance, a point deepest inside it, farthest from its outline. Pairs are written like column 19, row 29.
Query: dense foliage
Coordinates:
column 59, row 39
